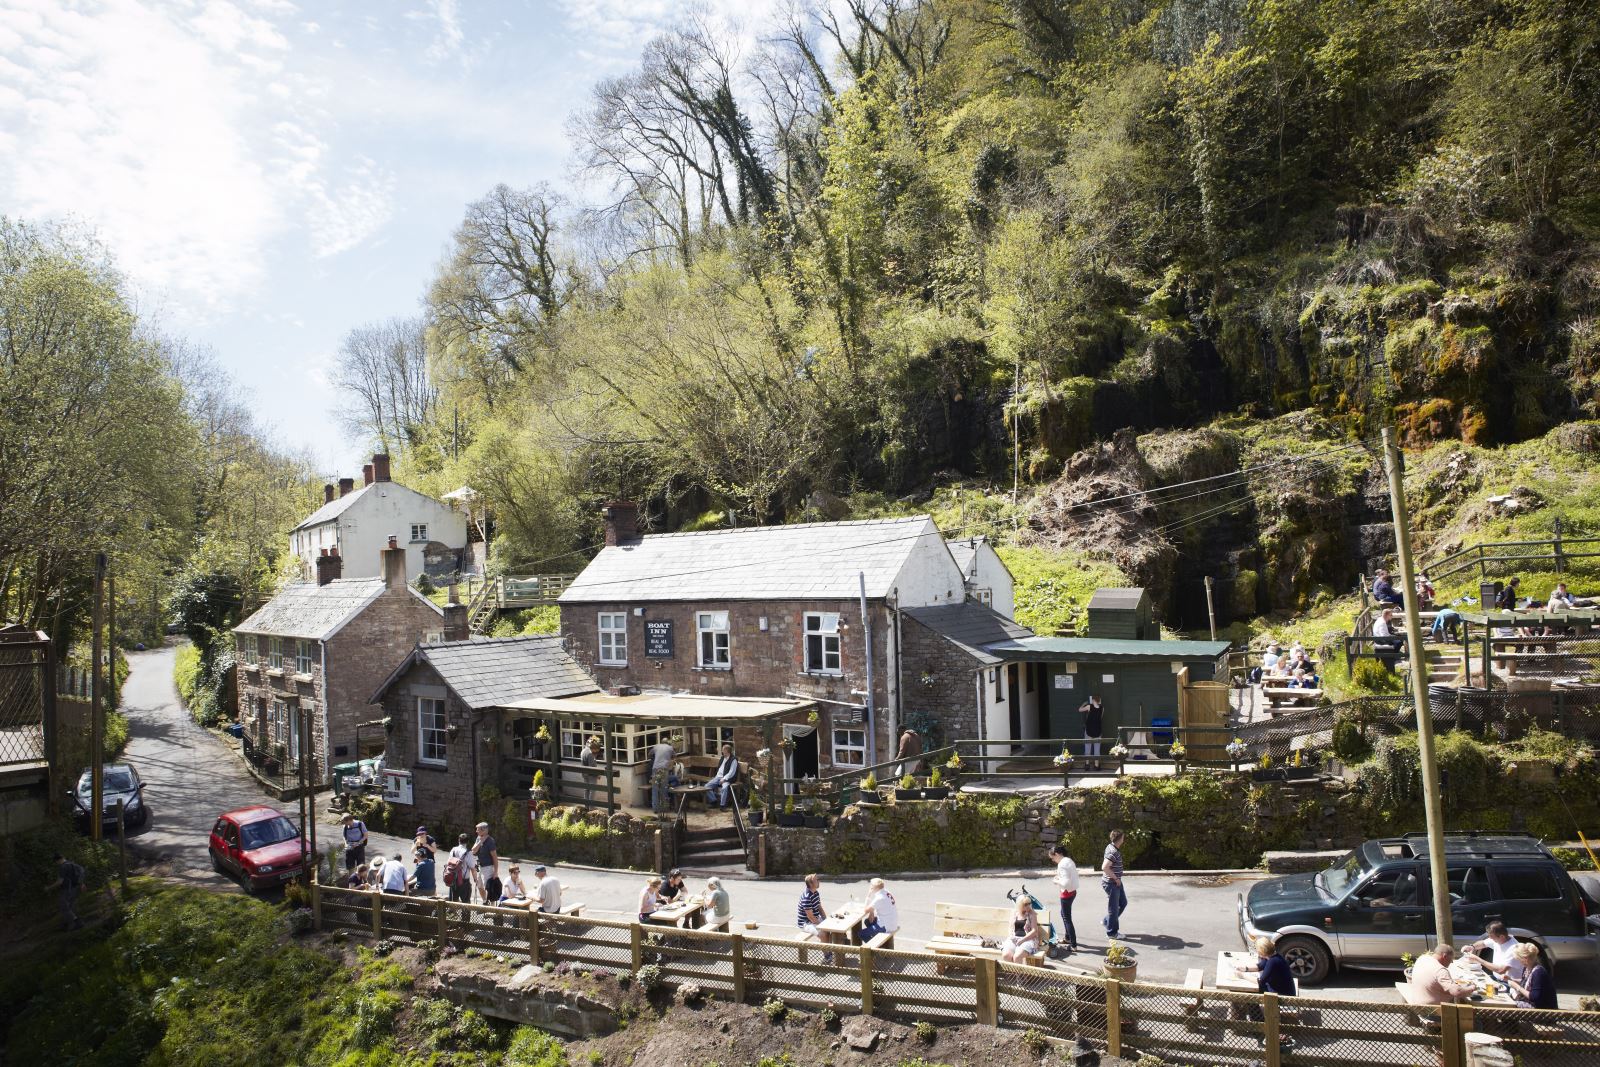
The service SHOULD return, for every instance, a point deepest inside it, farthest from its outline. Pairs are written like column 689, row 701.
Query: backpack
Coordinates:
column 452, row 872
column 72, row 875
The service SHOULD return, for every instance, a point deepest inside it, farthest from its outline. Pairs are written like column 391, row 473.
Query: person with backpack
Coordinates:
column 458, row 872
column 69, row 880
column 355, row 842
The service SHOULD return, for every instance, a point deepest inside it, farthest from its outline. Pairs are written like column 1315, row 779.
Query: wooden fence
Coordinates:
column 1179, row 1024
column 1554, row 551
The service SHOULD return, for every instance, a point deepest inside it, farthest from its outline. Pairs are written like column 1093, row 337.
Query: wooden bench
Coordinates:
column 1428, row 1021
column 959, row 928
column 1195, row 979
column 1286, row 695
column 883, row 940
column 574, row 910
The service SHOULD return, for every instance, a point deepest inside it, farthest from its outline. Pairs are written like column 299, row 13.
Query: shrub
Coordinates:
column 776, row 1009
column 299, row 921
column 649, row 977
column 690, row 993
column 926, row 1032
column 535, row 1048
column 1372, row 676
column 828, row 1015
column 1350, row 744
column 1035, row 1041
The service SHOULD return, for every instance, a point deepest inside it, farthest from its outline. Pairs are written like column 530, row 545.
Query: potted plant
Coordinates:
column 538, row 791
column 907, row 789
column 1063, row 763
column 1119, row 752
column 1178, row 752
column 789, row 817
column 1237, row 750
column 1407, row 961
column 1299, row 767
column 1265, row 772
column 817, row 813
column 869, row 790
column 936, row 789
column 1120, row 963
column 758, row 810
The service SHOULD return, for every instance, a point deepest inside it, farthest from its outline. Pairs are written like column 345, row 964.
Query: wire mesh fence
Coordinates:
column 1055, row 1004
column 1190, row 1026
column 1542, row 1038
column 1342, row 1033
column 593, row 943
column 804, row 973
column 699, row 956
column 918, row 985
column 21, row 703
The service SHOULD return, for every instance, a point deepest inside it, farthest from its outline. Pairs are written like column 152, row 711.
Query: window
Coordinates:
column 713, row 738
column 984, row 597
column 1527, row 883
column 1468, row 885
column 275, row 652
column 711, row 628
column 302, row 657
column 278, row 720
column 1394, row 888
column 849, row 748
column 822, row 642
column 246, row 648
column 419, row 531
column 430, row 730
column 998, row 677
column 614, row 638
column 575, row 735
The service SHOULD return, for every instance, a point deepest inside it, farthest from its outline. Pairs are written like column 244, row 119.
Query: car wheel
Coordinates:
column 1309, row 960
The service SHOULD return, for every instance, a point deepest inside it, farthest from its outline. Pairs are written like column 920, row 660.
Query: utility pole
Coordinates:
column 97, row 697
column 1211, row 609
column 1419, row 694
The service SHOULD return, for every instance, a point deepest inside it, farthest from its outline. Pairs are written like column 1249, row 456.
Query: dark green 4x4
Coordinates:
column 1376, row 904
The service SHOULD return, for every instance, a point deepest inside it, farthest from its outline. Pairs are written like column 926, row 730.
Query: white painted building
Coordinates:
column 987, row 578
column 359, row 522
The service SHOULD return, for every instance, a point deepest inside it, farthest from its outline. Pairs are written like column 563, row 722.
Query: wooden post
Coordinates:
column 1211, row 608
column 636, row 945
column 48, row 729
column 443, row 917
column 1561, row 563
column 316, row 903
column 659, row 864
column 1450, row 1031
column 97, row 698
column 611, row 778
column 866, row 982
column 1269, row 1014
column 738, row 968
column 533, row 936
column 986, row 991
column 1113, row 1016
column 377, row 913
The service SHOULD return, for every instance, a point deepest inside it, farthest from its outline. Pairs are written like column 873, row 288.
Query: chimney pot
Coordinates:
column 380, row 466
column 346, row 485
column 366, row 474
column 621, row 522
column 329, row 567
column 327, row 492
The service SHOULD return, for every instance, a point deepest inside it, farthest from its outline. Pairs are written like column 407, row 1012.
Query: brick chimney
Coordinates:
column 455, row 618
column 380, row 466
column 330, row 565
column 366, row 474
column 346, row 485
column 327, row 492
column 394, row 566
column 622, row 522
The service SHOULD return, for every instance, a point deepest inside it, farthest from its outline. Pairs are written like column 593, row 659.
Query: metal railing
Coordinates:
column 1552, row 550
column 1178, row 1024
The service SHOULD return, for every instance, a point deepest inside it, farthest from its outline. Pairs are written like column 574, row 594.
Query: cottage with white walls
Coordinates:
column 359, row 522
column 988, row 579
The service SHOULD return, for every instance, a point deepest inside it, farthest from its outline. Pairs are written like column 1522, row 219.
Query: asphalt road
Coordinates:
column 1175, row 921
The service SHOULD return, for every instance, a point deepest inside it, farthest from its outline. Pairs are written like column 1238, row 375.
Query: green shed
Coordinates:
column 1122, row 614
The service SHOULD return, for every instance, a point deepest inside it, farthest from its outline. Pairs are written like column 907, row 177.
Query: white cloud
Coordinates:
column 625, row 26
column 451, row 36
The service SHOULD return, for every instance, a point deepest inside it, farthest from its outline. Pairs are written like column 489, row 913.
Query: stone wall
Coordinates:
column 528, row 997
column 949, row 696
column 363, row 655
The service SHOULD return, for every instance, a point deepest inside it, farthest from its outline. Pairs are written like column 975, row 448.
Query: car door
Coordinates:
column 1532, row 898
column 219, row 843
column 1386, row 917
column 1472, row 901
column 230, row 847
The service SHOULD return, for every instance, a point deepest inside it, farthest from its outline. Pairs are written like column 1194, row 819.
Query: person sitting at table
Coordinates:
column 1497, row 951
column 673, row 890
column 547, row 887
column 1561, row 600
column 720, row 788
column 1431, row 982
column 715, row 901
column 882, row 914
column 394, row 875
column 513, row 888
column 1302, row 680
column 1026, row 936
column 1383, row 590
column 1425, row 592
column 1269, row 663
column 1384, row 635
column 422, row 881
column 1273, row 973
column 649, row 902
column 1535, row 989
column 810, row 916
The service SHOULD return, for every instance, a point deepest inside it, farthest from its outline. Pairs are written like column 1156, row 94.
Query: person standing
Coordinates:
column 547, row 887
column 1111, row 882
column 69, row 880
column 1506, row 599
column 424, row 840
column 910, row 752
column 661, row 756
column 1093, row 712
column 591, row 771
column 488, row 865
column 355, row 842
column 1066, row 879
column 458, row 871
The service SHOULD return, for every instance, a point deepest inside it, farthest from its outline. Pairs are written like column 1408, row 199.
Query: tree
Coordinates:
column 383, row 369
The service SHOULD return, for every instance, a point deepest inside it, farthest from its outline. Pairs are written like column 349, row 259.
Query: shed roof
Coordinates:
column 663, row 707
column 317, row 612
column 493, row 672
column 1116, row 598
column 803, row 561
column 1062, row 649
column 970, row 627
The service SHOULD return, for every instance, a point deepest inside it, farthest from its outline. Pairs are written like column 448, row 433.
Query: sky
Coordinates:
column 270, row 174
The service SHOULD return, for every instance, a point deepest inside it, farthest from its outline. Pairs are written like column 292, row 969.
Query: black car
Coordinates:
column 119, row 781
column 1376, row 904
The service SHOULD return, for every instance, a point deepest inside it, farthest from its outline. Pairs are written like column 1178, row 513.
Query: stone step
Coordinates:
column 701, row 860
column 715, row 836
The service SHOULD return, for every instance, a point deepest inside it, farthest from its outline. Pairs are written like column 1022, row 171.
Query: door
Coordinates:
column 294, row 735
column 803, row 758
column 1014, row 701
column 1385, row 918
column 1533, row 898
column 1472, row 905
column 1044, row 681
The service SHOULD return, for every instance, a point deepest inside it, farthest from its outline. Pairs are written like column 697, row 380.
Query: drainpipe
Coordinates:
column 327, row 742
column 872, row 716
column 896, row 711
column 977, row 695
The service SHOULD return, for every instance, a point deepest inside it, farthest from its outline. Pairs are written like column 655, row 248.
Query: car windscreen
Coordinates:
column 254, row 835
column 116, row 780
column 1337, row 879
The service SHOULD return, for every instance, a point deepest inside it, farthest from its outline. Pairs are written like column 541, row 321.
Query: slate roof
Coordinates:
column 811, row 560
column 970, row 626
column 1061, row 649
column 317, row 612
column 491, row 673
column 965, row 553
column 1116, row 598
column 335, row 507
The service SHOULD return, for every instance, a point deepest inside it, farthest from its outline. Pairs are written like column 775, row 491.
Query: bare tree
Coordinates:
column 384, row 370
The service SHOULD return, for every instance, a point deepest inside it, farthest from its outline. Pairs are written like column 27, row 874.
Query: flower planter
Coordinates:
column 936, row 792
column 907, row 794
column 757, row 818
column 1270, row 774
column 791, row 820
column 870, row 799
column 816, row 822
column 1127, row 972
column 1299, row 774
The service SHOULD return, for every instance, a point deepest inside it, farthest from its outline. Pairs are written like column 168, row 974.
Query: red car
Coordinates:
column 258, row 845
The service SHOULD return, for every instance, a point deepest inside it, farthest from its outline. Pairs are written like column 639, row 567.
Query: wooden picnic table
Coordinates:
column 1287, row 694
column 1228, row 976
column 845, row 923
column 686, row 915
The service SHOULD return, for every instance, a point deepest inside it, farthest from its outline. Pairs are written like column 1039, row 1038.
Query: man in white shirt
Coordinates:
column 394, row 876
column 1497, row 951
column 1066, row 879
column 548, row 890
column 882, row 915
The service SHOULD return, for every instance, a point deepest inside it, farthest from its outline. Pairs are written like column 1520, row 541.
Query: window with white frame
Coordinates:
column 849, row 747
column 574, row 735
column 419, row 531
column 279, row 720
column 712, row 738
column 614, row 638
column 430, row 730
column 984, row 597
column 302, row 657
column 275, row 652
column 245, row 647
column 711, row 632
column 822, row 642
